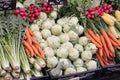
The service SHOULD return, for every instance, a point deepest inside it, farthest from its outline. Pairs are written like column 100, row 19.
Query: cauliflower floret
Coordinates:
column 91, row 65
column 83, row 40
column 91, row 47
column 86, row 55
column 56, row 29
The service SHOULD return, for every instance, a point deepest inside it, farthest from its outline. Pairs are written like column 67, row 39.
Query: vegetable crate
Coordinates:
column 111, row 72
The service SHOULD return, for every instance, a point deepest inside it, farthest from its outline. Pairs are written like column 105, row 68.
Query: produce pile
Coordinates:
column 65, row 50
column 65, row 39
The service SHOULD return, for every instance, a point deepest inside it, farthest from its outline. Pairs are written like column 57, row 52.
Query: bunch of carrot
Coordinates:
column 105, row 43
column 31, row 46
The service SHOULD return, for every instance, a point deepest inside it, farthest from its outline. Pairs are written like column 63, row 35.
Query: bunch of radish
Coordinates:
column 47, row 8
column 21, row 12
column 100, row 10
column 34, row 12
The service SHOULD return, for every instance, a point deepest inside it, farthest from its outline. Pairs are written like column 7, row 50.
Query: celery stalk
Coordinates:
column 37, row 67
column 41, row 62
column 3, row 60
column 36, row 73
column 28, row 76
column 32, row 60
column 21, row 76
column 24, row 61
column 0, row 68
column 8, row 77
column 3, row 73
column 1, row 78
column 15, row 75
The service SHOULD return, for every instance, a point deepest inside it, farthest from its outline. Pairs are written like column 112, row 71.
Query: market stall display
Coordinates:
column 77, row 39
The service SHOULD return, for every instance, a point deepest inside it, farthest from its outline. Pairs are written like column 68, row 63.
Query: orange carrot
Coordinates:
column 25, row 37
column 99, row 39
column 105, row 61
column 92, row 34
column 104, row 45
column 107, row 40
column 92, row 40
column 114, row 43
column 40, row 51
column 34, row 41
column 111, row 36
column 35, row 50
column 118, row 47
column 100, row 60
column 27, row 51
column 26, row 44
column 100, row 52
column 31, row 33
column 28, row 36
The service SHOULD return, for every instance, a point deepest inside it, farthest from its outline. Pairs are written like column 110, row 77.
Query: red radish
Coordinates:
column 22, row 9
column 37, row 14
column 24, row 17
column 32, row 19
column 17, row 11
column 92, row 12
column 38, row 9
column 45, row 4
column 22, row 13
column 46, row 12
column 49, row 9
column 86, row 13
column 44, row 8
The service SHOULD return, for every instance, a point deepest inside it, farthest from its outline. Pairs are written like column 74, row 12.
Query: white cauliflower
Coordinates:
column 65, row 63
column 78, row 62
column 81, row 69
column 91, row 65
column 73, row 54
column 43, row 15
column 38, row 35
column 73, row 21
column 73, row 35
column 91, row 47
column 46, row 33
column 79, row 47
column 62, row 52
column 67, row 45
column 47, row 24
column 53, row 14
column 53, row 42
column 86, row 55
column 66, row 28
column 43, row 44
column 83, row 40
column 56, row 29
column 64, row 38
column 34, row 27
column 49, row 52
column 80, row 29
column 52, row 62
column 70, row 70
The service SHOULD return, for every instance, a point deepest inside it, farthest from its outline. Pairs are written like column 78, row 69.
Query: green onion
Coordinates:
column 36, row 73
column 24, row 61
column 37, row 67
column 3, row 60
column 41, row 62
column 32, row 60
column 27, row 76
column 8, row 77
column 21, row 76
column 15, row 75
column 3, row 73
